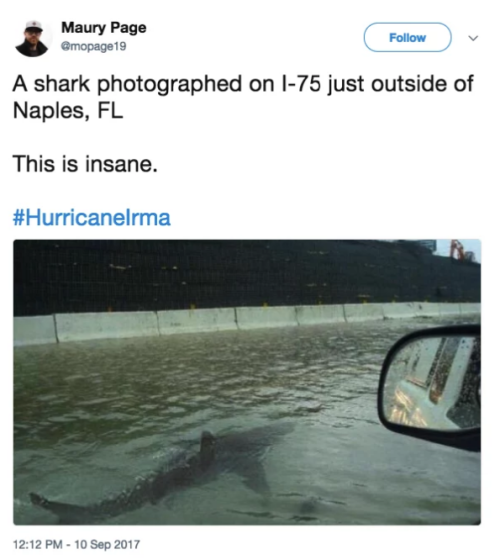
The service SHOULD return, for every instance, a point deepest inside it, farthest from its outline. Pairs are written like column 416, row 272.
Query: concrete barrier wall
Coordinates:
column 320, row 314
column 196, row 320
column 265, row 317
column 356, row 312
column 424, row 309
column 470, row 309
column 446, row 309
column 34, row 330
column 399, row 310
column 89, row 326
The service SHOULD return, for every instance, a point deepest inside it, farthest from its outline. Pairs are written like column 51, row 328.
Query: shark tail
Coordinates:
column 68, row 514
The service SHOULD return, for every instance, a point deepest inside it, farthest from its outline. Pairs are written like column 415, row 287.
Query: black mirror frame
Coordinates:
column 469, row 440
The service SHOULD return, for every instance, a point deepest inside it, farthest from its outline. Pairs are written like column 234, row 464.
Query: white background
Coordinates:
column 253, row 165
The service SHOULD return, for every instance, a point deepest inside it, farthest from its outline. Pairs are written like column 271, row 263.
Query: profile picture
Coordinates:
column 32, row 45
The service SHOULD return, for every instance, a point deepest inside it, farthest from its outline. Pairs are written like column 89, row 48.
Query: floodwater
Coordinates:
column 94, row 418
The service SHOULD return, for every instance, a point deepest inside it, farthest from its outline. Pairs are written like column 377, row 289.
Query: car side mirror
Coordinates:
column 430, row 386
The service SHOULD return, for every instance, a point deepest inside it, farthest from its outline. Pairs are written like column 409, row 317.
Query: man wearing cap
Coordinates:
column 32, row 45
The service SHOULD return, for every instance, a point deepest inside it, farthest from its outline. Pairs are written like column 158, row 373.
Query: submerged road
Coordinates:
column 92, row 418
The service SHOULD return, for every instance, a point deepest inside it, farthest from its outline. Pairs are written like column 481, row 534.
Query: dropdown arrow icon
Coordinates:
column 473, row 38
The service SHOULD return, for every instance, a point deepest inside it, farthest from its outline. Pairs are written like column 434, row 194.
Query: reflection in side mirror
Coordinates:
column 433, row 383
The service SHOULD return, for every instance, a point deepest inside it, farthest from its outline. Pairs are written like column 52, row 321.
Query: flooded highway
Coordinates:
column 94, row 418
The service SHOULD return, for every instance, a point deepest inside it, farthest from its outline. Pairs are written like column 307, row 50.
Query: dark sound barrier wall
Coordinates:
column 76, row 276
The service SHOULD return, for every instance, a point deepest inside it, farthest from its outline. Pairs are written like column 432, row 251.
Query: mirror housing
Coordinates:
column 430, row 386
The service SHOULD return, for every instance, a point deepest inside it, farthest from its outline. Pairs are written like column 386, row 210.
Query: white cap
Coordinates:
column 34, row 23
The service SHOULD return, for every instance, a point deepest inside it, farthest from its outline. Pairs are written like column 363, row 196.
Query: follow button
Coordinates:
column 407, row 37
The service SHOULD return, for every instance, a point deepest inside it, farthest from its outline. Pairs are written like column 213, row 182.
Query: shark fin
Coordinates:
column 254, row 478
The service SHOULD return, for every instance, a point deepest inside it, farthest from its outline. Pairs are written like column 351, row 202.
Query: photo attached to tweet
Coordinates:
column 236, row 382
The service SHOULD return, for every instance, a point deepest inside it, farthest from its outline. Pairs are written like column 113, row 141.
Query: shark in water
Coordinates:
column 239, row 453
